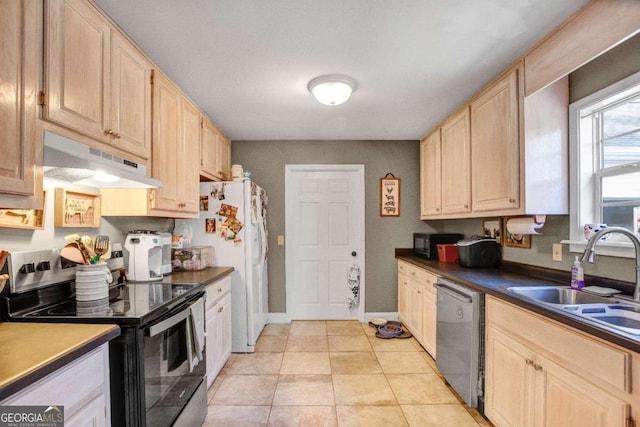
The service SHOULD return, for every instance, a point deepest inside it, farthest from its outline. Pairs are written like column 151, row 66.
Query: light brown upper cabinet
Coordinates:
column 175, row 160
column 495, row 156
column 21, row 136
column 456, row 167
column 430, row 176
column 97, row 83
column 215, row 154
column 515, row 155
column 176, row 155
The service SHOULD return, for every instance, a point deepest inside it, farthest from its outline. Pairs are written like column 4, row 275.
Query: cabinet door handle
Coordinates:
column 219, row 290
column 220, row 309
column 529, row 362
column 108, row 132
column 537, row 367
column 512, row 200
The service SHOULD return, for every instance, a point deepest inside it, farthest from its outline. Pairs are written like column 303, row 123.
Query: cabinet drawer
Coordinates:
column 71, row 386
column 403, row 267
column 217, row 289
column 568, row 347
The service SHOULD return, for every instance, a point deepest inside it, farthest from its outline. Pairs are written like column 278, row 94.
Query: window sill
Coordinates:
column 613, row 249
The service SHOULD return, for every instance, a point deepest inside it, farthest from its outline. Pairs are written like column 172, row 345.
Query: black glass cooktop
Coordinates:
column 134, row 303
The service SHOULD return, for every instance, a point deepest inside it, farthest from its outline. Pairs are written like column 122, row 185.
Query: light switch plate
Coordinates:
column 557, row 252
column 280, row 240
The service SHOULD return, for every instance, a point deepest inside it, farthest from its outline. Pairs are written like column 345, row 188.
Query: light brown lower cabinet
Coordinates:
column 542, row 373
column 417, row 304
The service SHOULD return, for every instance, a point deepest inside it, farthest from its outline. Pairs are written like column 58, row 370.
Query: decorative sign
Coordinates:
column 389, row 195
column 76, row 209
column 30, row 219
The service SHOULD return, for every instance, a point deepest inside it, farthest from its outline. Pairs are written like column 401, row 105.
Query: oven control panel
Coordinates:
column 36, row 269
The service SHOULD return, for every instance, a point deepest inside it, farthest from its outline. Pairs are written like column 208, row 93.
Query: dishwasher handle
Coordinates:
column 454, row 293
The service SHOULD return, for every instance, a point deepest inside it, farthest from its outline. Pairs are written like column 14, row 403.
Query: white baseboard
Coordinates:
column 282, row 317
column 278, row 318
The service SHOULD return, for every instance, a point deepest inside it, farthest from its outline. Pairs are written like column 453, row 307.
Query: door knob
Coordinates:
column 354, row 253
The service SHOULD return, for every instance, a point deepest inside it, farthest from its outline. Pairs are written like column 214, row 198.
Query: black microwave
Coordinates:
column 424, row 244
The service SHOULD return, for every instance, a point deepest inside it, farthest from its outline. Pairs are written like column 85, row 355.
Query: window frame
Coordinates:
column 584, row 157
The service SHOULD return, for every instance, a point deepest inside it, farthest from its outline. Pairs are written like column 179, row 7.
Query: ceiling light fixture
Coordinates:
column 332, row 89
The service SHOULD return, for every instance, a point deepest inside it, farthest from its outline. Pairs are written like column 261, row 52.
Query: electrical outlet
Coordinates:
column 280, row 240
column 557, row 251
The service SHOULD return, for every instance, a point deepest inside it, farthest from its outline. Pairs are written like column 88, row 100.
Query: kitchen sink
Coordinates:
column 607, row 311
column 619, row 316
column 561, row 295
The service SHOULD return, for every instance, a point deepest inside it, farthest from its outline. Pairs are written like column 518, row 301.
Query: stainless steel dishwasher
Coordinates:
column 460, row 340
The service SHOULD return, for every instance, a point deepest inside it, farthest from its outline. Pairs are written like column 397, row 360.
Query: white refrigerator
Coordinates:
column 233, row 220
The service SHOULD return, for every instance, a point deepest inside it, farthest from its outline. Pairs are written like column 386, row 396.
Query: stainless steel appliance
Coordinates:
column 424, row 244
column 154, row 378
column 143, row 256
column 460, row 340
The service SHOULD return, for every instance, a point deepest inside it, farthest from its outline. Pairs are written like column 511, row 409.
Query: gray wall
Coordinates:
column 267, row 160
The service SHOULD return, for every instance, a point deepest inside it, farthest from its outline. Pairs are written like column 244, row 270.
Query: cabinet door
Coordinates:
column 224, row 157
column 496, row 151
column 166, row 143
column 403, row 295
column 568, row 400
column 211, row 324
column 77, row 57
column 91, row 415
column 509, row 381
column 430, row 176
column 224, row 330
column 20, row 174
column 456, row 167
column 415, row 308
column 429, row 321
column 130, row 119
column 189, row 159
column 209, row 149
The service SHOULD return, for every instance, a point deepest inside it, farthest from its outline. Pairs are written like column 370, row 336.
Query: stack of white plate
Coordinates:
column 92, row 282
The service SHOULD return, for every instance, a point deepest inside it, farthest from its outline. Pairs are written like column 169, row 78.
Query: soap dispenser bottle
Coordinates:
column 577, row 275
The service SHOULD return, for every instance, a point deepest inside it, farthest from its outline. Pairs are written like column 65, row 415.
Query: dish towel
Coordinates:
column 195, row 334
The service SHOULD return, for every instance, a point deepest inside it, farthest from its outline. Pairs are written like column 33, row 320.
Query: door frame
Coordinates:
column 293, row 169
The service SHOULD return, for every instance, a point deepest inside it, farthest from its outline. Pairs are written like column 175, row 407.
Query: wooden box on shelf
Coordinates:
column 28, row 219
column 76, row 208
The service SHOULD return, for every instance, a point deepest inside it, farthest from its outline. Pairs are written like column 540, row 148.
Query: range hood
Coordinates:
column 71, row 161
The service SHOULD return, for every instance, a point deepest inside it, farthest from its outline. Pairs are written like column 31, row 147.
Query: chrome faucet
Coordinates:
column 589, row 254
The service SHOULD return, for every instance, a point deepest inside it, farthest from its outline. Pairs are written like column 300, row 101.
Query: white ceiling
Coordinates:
column 247, row 63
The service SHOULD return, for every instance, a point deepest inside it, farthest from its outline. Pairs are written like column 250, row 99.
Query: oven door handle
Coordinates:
column 160, row 327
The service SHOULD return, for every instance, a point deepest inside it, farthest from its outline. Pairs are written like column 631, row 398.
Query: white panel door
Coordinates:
column 325, row 241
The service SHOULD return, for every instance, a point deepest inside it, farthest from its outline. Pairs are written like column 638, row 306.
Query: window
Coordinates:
column 605, row 163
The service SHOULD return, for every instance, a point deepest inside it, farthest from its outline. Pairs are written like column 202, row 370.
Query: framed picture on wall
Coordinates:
column 389, row 195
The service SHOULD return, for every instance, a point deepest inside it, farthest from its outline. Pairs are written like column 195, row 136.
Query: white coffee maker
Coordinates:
column 143, row 256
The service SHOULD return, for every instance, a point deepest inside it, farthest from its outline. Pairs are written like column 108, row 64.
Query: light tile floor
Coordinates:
column 334, row 373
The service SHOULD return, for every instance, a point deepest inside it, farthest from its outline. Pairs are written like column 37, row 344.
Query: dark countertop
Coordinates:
column 492, row 280
column 31, row 351
column 204, row 277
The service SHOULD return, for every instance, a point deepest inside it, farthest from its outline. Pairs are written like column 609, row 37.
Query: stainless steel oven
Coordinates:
column 154, row 378
column 170, row 378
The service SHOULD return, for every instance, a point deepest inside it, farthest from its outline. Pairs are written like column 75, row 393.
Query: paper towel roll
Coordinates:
column 524, row 225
